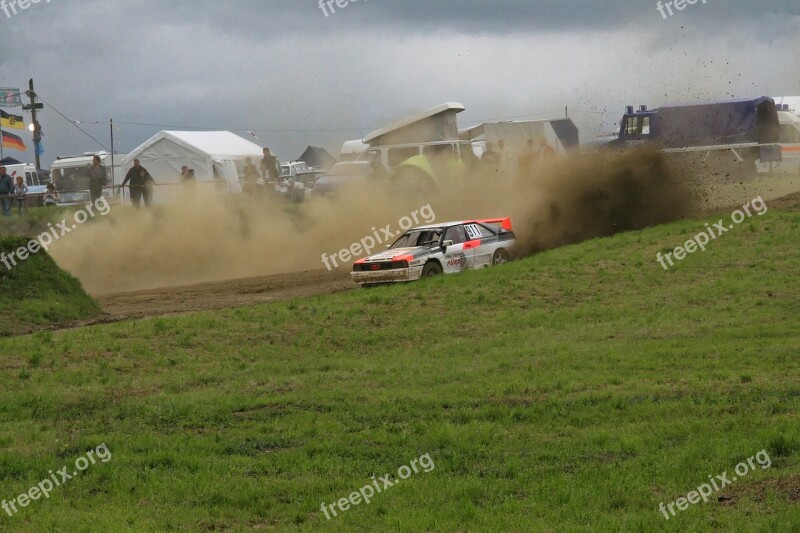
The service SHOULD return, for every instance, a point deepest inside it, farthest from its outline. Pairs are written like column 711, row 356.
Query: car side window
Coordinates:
column 430, row 237
column 456, row 234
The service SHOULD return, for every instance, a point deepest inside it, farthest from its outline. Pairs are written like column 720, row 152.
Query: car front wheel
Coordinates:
column 431, row 269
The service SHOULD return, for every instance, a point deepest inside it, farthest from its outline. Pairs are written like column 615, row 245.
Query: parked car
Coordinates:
column 436, row 249
column 297, row 187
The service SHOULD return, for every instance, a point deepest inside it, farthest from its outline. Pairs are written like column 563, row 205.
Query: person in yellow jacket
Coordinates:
column 437, row 171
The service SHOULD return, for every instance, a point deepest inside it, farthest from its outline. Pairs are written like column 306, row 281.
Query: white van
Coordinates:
column 36, row 186
column 68, row 174
column 390, row 156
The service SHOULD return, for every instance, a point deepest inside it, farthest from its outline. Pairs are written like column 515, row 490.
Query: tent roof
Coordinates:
column 215, row 144
column 317, row 157
column 446, row 109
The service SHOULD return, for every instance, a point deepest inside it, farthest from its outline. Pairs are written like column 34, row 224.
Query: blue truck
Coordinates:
column 724, row 138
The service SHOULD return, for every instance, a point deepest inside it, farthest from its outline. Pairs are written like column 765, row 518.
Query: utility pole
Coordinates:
column 37, row 128
column 113, row 178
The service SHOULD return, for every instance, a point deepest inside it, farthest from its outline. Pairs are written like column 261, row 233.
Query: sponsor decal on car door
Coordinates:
column 459, row 256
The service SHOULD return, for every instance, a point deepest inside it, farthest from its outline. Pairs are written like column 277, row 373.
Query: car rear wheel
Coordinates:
column 431, row 269
column 500, row 257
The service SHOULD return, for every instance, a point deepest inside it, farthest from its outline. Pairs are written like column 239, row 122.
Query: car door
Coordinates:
column 458, row 256
column 482, row 243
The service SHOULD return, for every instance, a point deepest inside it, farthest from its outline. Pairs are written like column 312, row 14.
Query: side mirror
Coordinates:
column 447, row 244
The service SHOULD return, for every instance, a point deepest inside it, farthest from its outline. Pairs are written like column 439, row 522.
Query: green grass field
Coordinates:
column 35, row 293
column 571, row 391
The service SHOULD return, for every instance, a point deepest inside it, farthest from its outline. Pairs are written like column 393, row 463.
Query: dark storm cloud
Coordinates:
column 277, row 65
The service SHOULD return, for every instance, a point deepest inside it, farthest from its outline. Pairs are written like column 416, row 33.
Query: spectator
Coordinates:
column 489, row 158
column 528, row 158
column 97, row 179
column 269, row 166
column 6, row 190
column 184, row 173
column 503, row 155
column 251, row 175
column 20, row 191
column 51, row 197
column 137, row 176
column 547, row 151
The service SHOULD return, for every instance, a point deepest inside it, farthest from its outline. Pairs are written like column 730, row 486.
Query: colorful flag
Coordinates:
column 12, row 141
column 14, row 122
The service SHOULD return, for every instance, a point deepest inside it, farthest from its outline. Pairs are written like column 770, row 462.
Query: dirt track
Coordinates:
column 223, row 294
column 778, row 192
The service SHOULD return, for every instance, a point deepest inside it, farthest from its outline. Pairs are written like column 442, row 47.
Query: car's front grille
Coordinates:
column 380, row 265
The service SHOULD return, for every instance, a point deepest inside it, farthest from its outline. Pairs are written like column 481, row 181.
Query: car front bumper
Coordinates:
column 397, row 275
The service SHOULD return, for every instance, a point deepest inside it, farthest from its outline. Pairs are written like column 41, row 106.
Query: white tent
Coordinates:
column 212, row 154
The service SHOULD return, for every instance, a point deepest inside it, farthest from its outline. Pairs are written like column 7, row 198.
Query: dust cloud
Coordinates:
column 204, row 236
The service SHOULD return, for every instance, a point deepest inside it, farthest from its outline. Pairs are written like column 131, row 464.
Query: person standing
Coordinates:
column 269, row 167
column 547, row 152
column 489, row 159
column 6, row 190
column 528, row 158
column 20, row 192
column 251, row 176
column 503, row 156
column 137, row 176
column 97, row 179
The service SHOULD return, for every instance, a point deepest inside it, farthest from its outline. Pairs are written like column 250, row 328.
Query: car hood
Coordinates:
column 395, row 253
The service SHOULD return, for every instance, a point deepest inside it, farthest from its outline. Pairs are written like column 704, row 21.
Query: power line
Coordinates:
column 74, row 123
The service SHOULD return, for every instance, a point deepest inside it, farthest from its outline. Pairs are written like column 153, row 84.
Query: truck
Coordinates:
column 68, row 174
column 724, row 138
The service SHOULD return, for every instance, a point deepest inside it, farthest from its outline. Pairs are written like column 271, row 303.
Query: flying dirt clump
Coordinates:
column 600, row 194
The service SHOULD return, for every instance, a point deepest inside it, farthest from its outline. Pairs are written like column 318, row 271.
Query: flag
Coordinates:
column 39, row 148
column 14, row 122
column 12, row 141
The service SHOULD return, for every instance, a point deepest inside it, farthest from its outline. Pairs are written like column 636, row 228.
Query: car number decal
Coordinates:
column 472, row 231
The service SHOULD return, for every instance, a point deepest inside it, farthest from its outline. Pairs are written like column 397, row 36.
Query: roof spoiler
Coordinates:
column 504, row 223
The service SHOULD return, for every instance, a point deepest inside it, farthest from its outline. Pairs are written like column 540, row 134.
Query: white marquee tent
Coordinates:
column 212, row 154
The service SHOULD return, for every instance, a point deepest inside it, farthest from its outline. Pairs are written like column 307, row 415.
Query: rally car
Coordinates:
column 439, row 248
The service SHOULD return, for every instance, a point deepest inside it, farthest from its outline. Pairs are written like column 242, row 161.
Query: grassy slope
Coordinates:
column 577, row 388
column 38, row 293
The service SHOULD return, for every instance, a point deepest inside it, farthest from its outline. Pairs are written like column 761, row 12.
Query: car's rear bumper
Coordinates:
column 397, row 275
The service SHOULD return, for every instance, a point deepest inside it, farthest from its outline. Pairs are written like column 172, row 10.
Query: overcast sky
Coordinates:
column 295, row 76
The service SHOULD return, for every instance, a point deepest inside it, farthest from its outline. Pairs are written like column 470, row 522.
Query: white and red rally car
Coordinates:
column 439, row 248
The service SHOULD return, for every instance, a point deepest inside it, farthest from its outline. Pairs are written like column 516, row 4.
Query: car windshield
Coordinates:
column 416, row 237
